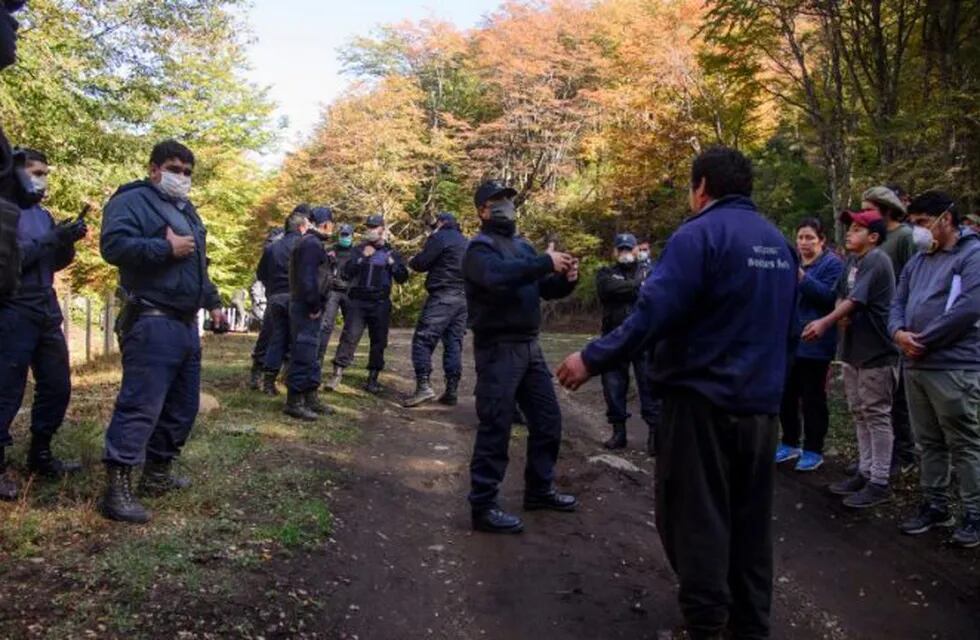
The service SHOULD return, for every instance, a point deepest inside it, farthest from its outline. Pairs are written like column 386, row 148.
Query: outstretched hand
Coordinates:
column 572, row 372
column 560, row 262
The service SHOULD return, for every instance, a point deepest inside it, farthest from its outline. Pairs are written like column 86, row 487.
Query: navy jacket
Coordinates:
column 505, row 282
column 308, row 266
column 719, row 306
column 41, row 256
column 817, row 297
column 273, row 269
column 134, row 227
column 442, row 258
column 944, row 315
column 371, row 278
column 618, row 285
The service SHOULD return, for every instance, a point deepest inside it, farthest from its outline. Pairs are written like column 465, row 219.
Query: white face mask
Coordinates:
column 40, row 183
column 922, row 238
column 643, row 256
column 373, row 235
column 626, row 258
column 175, row 185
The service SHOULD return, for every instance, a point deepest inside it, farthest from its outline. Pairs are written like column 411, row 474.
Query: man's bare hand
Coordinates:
column 180, row 246
column 572, row 373
column 909, row 343
column 572, row 274
column 560, row 262
column 814, row 330
column 368, row 250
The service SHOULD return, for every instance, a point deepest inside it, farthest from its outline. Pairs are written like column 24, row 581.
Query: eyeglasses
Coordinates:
column 177, row 170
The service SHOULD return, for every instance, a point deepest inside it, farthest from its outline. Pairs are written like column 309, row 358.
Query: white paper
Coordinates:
column 955, row 289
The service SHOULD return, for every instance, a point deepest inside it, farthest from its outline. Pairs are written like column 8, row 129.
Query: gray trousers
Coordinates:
column 869, row 399
column 943, row 406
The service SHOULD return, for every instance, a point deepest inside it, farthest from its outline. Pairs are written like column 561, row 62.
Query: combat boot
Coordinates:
column 157, row 479
column 41, row 461
column 450, row 396
column 618, row 439
column 269, row 383
column 118, row 502
column 9, row 489
column 313, row 403
column 296, row 406
column 334, row 381
column 372, row 385
column 255, row 377
column 423, row 392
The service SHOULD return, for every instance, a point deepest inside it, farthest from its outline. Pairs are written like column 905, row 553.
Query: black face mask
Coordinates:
column 501, row 227
column 8, row 35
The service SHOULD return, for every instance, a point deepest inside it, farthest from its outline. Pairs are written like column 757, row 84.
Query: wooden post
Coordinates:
column 66, row 315
column 88, row 329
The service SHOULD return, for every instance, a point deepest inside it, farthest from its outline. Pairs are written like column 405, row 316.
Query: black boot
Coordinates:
column 118, row 502
column 372, row 385
column 157, row 479
column 296, row 406
column 495, row 520
column 334, row 381
column 451, row 395
column 618, row 439
column 9, row 489
column 255, row 377
column 41, row 461
column 312, row 401
column 423, row 392
column 269, row 383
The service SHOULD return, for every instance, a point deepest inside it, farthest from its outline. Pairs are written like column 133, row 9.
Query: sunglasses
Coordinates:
column 177, row 170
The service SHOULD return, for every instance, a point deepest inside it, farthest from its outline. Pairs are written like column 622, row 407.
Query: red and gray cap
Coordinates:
column 864, row 218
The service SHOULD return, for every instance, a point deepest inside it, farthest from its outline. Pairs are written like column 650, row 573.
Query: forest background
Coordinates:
column 592, row 110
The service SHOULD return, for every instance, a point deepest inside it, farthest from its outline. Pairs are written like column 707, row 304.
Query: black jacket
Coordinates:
column 505, row 282
column 309, row 272
column 273, row 269
column 370, row 278
column 617, row 286
column 339, row 257
column 442, row 258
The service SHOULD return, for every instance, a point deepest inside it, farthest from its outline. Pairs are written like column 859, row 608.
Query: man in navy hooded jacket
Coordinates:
column 719, row 307
column 153, row 234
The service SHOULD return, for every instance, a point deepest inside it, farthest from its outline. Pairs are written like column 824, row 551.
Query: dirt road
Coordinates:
column 403, row 562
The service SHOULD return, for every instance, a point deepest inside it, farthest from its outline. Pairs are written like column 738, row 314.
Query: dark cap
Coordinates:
column 445, row 216
column 302, row 208
column 625, row 241
column 374, row 220
column 346, row 230
column 319, row 215
column 490, row 190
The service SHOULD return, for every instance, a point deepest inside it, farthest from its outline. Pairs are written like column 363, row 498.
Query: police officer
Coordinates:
column 260, row 305
column 9, row 211
column 310, row 272
column 443, row 317
column 338, row 256
column 30, row 327
column 152, row 232
column 718, row 307
column 273, row 271
column 370, row 271
column 618, row 285
column 505, row 281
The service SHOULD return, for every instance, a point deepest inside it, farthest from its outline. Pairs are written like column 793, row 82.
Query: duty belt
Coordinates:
column 153, row 312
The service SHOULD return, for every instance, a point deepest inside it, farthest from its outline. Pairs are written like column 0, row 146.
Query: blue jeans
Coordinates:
column 615, row 389
column 160, row 393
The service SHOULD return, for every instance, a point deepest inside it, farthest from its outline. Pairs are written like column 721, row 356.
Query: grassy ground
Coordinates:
column 259, row 485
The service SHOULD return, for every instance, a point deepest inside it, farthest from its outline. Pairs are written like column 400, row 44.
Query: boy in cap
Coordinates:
column 864, row 294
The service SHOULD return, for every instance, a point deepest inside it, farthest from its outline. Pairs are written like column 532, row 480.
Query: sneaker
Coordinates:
column 809, row 461
column 968, row 534
column 871, row 495
column 785, row 453
column 851, row 469
column 847, row 487
column 927, row 518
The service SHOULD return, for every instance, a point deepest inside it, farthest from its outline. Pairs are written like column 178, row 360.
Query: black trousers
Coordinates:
column 375, row 315
column 262, row 342
column 615, row 390
column 714, row 484
column 510, row 373
column 806, row 395
column 443, row 319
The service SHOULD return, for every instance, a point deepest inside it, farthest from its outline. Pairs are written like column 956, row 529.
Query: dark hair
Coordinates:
column 27, row 154
column 169, row 149
column 303, row 208
column 812, row 223
column 881, row 228
column 935, row 203
column 726, row 172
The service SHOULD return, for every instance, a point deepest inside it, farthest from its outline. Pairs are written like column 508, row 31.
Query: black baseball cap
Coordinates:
column 374, row 220
column 445, row 216
column 490, row 190
column 625, row 241
column 346, row 230
column 319, row 215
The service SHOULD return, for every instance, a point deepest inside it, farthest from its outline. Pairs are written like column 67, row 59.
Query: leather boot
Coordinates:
column 41, row 461
column 496, row 520
column 269, row 383
column 157, row 479
column 423, row 392
column 450, row 397
column 313, row 403
column 334, row 381
column 118, row 502
column 372, row 385
column 296, row 406
column 9, row 489
column 618, row 439
column 255, row 377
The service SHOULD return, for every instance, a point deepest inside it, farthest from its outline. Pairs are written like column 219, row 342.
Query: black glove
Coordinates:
column 71, row 232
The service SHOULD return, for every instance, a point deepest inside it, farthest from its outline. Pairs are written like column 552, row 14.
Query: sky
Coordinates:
column 296, row 43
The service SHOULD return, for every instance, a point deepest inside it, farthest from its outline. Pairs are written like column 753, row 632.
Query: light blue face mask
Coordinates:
column 345, row 241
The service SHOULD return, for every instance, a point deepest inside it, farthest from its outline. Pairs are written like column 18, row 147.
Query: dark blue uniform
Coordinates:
column 369, row 303
column 443, row 316
column 308, row 287
column 30, row 330
column 273, row 272
column 505, row 282
column 719, row 307
column 161, row 348
column 337, row 297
